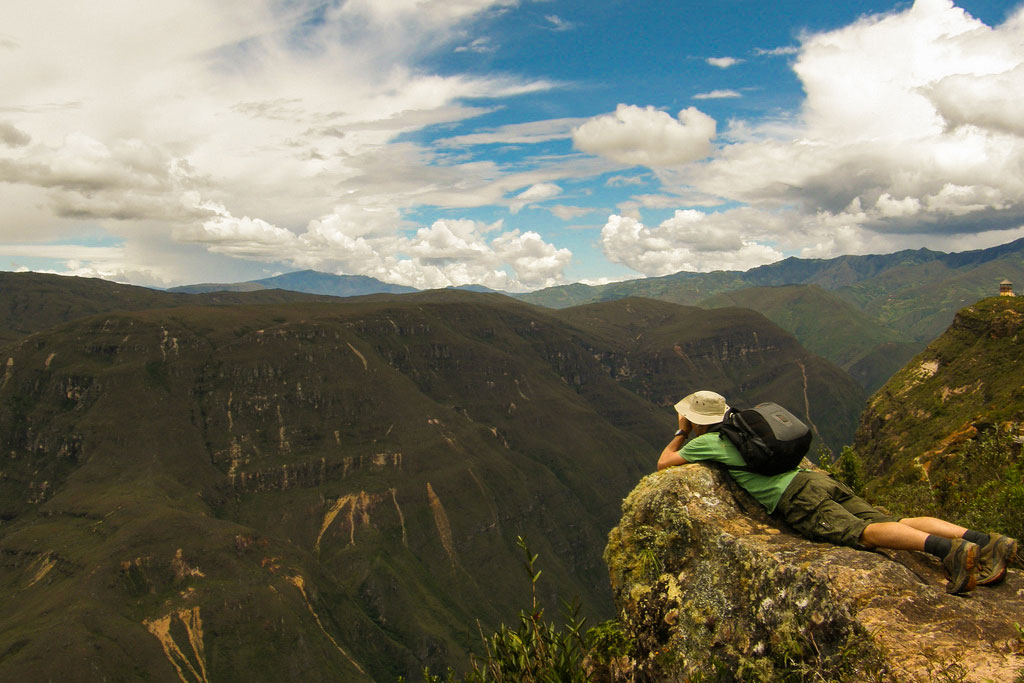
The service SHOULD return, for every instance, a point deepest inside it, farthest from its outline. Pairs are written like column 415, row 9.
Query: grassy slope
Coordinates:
column 128, row 430
column 30, row 302
column 952, row 419
column 832, row 327
column 906, row 299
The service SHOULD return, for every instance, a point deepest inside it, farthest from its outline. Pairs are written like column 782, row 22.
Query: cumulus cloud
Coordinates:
column 909, row 132
column 305, row 134
column 690, row 240
column 85, row 178
column 980, row 100
column 647, row 137
column 255, row 132
column 723, row 62
column 362, row 240
column 535, row 262
column 12, row 137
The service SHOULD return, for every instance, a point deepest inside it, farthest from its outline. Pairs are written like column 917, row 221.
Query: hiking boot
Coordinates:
column 962, row 564
column 994, row 557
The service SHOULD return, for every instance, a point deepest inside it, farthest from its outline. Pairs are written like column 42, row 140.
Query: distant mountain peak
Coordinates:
column 308, row 282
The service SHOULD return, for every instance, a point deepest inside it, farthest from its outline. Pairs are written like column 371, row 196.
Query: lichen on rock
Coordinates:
column 710, row 587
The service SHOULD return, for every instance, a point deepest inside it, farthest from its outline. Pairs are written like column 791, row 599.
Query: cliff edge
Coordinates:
column 712, row 588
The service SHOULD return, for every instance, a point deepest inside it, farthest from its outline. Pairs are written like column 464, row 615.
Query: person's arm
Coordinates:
column 670, row 455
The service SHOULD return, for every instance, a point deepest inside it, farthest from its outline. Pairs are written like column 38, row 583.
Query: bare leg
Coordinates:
column 938, row 527
column 894, row 535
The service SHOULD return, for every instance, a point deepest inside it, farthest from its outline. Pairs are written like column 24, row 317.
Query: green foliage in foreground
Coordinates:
column 847, row 468
column 536, row 650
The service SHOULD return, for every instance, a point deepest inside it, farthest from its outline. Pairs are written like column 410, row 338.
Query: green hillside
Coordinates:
column 36, row 301
column 219, row 492
column 944, row 435
column 331, row 474
column 868, row 314
column 833, row 328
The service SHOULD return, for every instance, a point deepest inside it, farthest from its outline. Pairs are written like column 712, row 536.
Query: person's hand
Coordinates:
column 685, row 425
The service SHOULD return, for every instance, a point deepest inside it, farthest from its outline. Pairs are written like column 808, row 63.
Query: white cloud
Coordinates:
column 777, row 51
column 556, row 23
column 568, row 213
column 363, row 241
column 293, row 134
column 981, row 100
column 689, row 240
column 12, row 137
column 85, row 178
column 427, row 12
column 535, row 193
column 717, row 95
column 115, row 263
column 481, row 45
column 63, row 252
column 653, row 201
column 723, row 62
column 624, row 180
column 536, row 263
column 647, row 137
column 530, row 133
column 632, row 207
column 909, row 134
column 244, row 127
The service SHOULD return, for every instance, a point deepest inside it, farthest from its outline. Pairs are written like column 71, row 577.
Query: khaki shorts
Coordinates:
column 823, row 509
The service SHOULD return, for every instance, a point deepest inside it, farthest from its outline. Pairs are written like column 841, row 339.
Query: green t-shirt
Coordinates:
column 767, row 490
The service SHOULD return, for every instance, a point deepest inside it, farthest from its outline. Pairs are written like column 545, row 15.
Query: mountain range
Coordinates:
column 867, row 314
column 307, row 281
column 219, row 486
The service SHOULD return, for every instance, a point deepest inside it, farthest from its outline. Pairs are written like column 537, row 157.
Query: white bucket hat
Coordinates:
column 703, row 407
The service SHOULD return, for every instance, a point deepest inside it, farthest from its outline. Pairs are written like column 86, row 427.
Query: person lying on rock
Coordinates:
column 823, row 509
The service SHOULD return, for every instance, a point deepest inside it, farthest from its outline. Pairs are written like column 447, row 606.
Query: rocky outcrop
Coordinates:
column 712, row 588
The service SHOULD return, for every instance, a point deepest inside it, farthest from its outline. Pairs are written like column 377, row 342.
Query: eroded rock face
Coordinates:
column 710, row 585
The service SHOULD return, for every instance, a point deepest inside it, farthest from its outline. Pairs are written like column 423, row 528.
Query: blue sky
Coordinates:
column 513, row 143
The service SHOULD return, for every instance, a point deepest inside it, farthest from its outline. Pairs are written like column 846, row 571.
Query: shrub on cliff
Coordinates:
column 536, row 650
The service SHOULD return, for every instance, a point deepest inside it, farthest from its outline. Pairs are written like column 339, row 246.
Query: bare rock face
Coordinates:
column 712, row 588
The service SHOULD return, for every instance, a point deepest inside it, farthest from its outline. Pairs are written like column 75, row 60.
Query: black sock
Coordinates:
column 976, row 537
column 937, row 546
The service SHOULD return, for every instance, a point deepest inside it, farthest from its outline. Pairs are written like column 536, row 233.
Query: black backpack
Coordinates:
column 770, row 438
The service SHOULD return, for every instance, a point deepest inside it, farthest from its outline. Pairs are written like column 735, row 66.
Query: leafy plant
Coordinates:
column 848, row 468
column 536, row 651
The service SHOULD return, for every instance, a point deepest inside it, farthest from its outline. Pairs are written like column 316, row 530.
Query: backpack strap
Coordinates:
column 739, row 433
column 733, row 435
column 748, row 431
